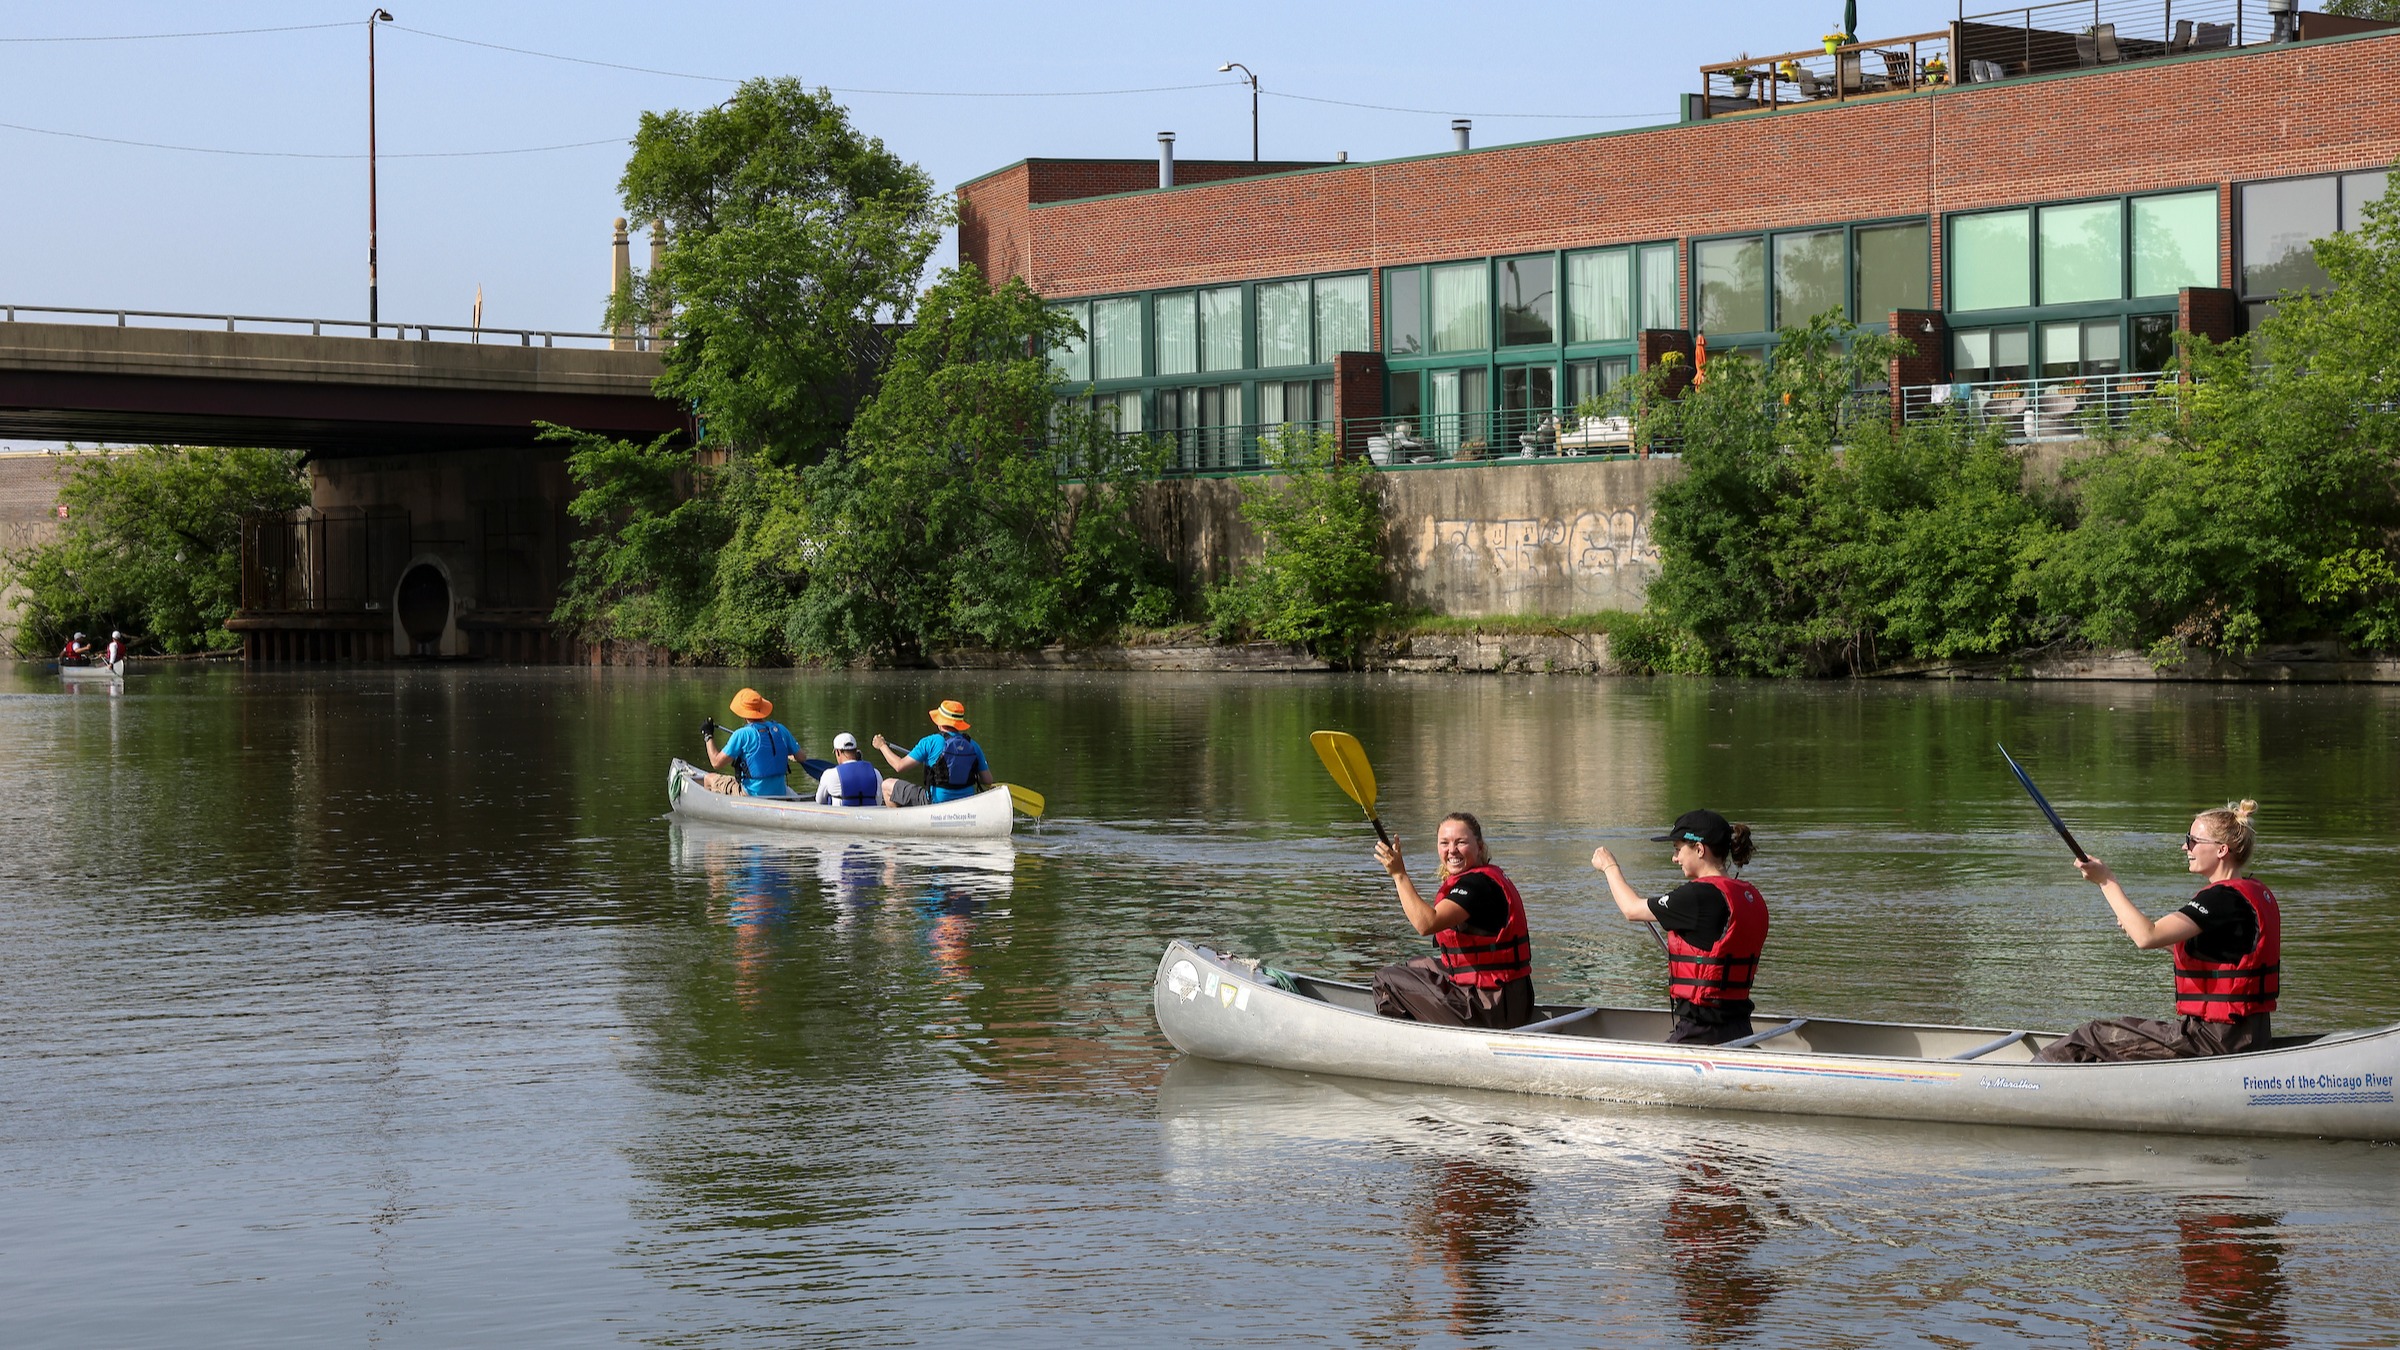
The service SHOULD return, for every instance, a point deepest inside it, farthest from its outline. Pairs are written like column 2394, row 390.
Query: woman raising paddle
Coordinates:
column 2228, row 945
column 1482, row 972
column 1716, row 925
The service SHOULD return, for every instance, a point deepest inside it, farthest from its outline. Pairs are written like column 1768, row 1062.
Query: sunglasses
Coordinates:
column 2190, row 840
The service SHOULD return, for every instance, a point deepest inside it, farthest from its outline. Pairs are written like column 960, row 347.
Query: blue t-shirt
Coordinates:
column 928, row 752
column 764, row 752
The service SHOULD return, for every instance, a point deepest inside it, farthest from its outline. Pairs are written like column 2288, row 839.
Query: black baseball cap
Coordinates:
column 1705, row 828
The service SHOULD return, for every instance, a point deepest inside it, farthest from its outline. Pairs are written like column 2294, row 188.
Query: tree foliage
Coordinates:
column 1320, row 580
column 151, row 545
column 2388, row 10
column 789, row 235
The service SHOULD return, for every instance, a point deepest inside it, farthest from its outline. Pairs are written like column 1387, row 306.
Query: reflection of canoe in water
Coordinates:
column 97, row 670
column 697, row 844
column 986, row 815
column 2339, row 1086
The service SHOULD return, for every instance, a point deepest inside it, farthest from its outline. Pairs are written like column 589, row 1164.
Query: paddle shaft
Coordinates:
column 2026, row 781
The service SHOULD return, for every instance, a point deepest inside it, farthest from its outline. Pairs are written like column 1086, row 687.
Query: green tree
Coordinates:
column 1320, row 579
column 970, row 506
column 790, row 236
column 2365, row 9
column 151, row 545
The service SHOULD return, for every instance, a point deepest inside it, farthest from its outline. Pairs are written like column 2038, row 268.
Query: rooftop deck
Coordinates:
column 2042, row 39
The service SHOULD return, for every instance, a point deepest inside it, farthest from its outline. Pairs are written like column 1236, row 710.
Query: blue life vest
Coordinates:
column 855, row 782
column 955, row 770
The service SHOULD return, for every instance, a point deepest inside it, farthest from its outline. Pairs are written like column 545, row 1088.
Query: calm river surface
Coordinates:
column 382, row 1007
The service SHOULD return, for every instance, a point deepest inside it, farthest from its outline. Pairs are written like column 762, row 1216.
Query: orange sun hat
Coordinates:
column 952, row 713
column 747, row 704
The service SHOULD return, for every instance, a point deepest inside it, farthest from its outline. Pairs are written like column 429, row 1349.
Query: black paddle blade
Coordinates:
column 2044, row 803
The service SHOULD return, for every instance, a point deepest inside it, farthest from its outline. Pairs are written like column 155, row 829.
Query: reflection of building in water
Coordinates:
column 1592, row 753
column 2233, row 1279
column 1710, row 1229
column 1469, row 1216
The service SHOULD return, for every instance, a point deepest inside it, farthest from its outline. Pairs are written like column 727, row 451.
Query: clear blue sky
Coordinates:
column 97, row 224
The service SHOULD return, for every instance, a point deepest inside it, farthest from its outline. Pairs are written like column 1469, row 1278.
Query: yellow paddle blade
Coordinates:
column 1346, row 760
column 1026, row 800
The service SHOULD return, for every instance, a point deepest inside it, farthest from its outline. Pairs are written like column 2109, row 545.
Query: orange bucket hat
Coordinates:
column 952, row 713
column 748, row 704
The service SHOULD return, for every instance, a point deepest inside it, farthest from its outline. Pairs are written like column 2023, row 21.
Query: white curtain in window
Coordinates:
column 1283, row 324
column 1073, row 359
column 1660, row 307
column 1600, row 296
column 1221, row 328
column 1341, row 316
column 1461, row 319
column 1117, row 339
column 1177, row 319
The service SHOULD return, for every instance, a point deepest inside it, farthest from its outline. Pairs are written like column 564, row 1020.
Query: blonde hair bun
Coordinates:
column 2243, row 810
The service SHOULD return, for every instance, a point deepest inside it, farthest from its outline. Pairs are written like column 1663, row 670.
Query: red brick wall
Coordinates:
column 2212, row 119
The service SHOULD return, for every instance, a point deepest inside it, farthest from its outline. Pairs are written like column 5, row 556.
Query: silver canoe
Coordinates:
column 2333, row 1086
column 95, row 671
column 986, row 815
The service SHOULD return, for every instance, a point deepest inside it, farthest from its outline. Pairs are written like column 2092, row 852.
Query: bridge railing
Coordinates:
column 269, row 323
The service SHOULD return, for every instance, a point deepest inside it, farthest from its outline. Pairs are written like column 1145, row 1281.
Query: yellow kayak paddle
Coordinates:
column 1346, row 760
column 1026, row 800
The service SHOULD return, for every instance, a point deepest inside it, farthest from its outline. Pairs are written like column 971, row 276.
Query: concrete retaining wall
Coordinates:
column 1556, row 536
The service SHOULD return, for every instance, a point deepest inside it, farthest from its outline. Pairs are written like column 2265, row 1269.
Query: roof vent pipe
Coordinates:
column 2287, row 23
column 1459, row 127
column 1166, row 159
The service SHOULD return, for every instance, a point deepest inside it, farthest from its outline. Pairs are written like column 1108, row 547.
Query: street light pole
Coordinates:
column 373, row 17
column 1236, row 65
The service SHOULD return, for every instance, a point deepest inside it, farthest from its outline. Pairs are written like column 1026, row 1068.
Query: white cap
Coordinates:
column 845, row 741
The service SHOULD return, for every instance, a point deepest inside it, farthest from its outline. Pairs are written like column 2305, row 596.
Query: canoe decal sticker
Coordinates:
column 1699, row 1064
column 1183, row 979
column 2319, row 1089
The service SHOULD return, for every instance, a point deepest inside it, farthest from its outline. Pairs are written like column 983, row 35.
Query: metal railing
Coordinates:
column 2060, row 408
column 310, row 560
column 1826, row 74
column 1411, row 439
column 423, row 332
column 2082, row 34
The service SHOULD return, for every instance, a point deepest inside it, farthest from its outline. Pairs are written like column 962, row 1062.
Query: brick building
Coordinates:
column 2038, row 198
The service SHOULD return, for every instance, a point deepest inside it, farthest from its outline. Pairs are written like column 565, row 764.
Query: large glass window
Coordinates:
column 1073, row 359
column 1221, row 328
column 1341, row 316
column 1600, row 296
column 1176, row 321
column 2279, row 223
column 1404, row 311
column 1460, row 400
column 2083, row 252
column 1890, row 269
column 1283, row 323
column 1662, row 305
column 1460, row 316
column 1117, row 339
column 1991, row 261
column 1731, row 278
column 1808, row 276
column 2358, row 191
column 2174, row 242
column 1528, row 300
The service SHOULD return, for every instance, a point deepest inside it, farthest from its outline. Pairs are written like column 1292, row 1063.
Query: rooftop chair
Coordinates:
column 2105, row 38
column 2182, row 41
column 1895, row 69
column 1809, row 85
column 2210, row 36
column 1983, row 72
column 2087, row 50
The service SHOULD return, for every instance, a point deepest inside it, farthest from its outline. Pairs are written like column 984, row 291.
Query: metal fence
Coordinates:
column 308, row 560
column 2068, row 408
column 1414, row 439
column 265, row 323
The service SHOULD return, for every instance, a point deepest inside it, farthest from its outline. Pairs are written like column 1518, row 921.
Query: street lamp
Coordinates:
column 1236, row 65
column 373, row 17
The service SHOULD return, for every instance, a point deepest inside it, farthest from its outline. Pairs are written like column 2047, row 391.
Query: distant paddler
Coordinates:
column 77, row 651
column 953, row 763
column 1715, row 926
column 116, row 650
column 2228, row 945
column 1481, row 972
column 761, row 753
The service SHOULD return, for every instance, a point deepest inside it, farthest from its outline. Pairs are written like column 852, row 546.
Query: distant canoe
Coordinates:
column 98, row 670
column 986, row 815
column 2334, row 1086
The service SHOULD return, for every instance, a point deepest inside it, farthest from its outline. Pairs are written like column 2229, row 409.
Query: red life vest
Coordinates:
column 2230, row 991
column 1487, row 962
column 1722, row 973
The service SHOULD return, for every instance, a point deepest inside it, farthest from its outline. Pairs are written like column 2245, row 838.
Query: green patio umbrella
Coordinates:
column 1850, row 19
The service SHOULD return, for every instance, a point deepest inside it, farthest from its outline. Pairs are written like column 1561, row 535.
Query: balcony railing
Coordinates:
column 1413, row 439
column 2063, row 408
column 2000, row 44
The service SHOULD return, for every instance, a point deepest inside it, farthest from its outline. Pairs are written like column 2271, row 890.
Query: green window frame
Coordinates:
column 2106, row 254
column 1749, row 286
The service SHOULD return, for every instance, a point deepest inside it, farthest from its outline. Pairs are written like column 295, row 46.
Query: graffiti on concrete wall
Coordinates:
column 1591, row 555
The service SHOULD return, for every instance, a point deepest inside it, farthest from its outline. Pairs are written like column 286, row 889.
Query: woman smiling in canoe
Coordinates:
column 1482, row 972
column 1715, row 922
column 2228, row 945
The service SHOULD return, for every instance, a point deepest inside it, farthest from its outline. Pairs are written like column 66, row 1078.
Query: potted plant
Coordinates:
column 1741, row 76
column 1936, row 71
column 1833, row 42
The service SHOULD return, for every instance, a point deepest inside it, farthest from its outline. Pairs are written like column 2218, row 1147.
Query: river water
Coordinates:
column 383, row 1007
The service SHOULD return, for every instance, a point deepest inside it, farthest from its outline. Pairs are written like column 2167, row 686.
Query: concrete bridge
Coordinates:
column 438, row 523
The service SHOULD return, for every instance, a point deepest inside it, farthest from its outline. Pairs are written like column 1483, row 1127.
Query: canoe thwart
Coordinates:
column 1565, row 1019
column 1989, row 1046
column 1769, row 1034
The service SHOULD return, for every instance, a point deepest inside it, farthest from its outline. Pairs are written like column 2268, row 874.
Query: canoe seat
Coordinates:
column 1562, row 1020
column 1769, row 1034
column 1989, row 1046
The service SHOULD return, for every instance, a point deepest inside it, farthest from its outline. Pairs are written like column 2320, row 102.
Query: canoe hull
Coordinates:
column 986, row 815
column 2334, row 1087
column 115, row 671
